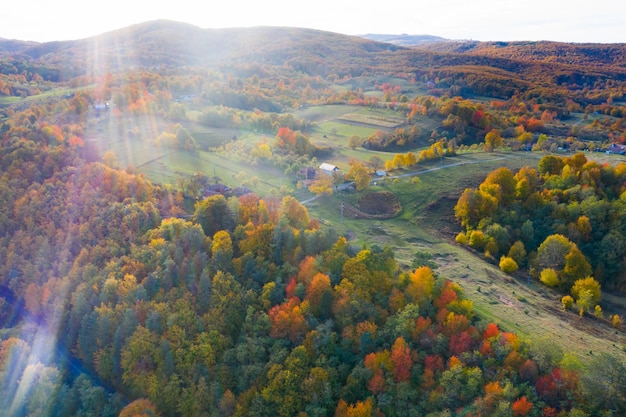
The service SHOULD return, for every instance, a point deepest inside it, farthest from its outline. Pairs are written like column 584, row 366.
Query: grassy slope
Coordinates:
column 132, row 141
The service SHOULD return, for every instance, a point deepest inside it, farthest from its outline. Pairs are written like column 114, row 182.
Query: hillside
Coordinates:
column 265, row 222
column 167, row 43
column 564, row 72
column 541, row 51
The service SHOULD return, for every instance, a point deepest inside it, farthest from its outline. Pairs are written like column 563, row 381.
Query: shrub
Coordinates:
column 616, row 320
column 567, row 302
column 597, row 311
column 508, row 265
column 550, row 277
column 477, row 239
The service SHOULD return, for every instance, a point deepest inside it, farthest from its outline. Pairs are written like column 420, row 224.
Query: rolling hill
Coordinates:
column 168, row 43
column 493, row 69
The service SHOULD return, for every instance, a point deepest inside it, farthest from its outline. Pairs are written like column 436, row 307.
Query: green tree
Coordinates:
column 359, row 174
column 518, row 252
column 493, row 140
column 213, row 214
column 604, row 383
column 550, row 165
column 227, row 302
column 139, row 362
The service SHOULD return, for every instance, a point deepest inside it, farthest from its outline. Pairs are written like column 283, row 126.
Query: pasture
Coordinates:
column 7, row 100
column 175, row 165
column 132, row 139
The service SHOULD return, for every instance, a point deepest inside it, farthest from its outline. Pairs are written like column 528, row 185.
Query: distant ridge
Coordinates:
column 498, row 69
column 168, row 43
column 404, row 39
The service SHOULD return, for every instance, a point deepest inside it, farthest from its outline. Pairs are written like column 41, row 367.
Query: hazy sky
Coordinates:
column 506, row 20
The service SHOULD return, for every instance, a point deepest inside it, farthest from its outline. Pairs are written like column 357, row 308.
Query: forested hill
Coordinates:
column 593, row 54
column 167, row 43
column 561, row 74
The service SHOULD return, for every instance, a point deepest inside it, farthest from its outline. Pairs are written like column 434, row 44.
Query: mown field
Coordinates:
column 132, row 139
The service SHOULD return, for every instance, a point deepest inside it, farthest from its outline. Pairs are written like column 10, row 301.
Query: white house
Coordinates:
column 328, row 168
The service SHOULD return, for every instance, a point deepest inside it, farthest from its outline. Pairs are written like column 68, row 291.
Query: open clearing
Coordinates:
column 132, row 139
column 371, row 120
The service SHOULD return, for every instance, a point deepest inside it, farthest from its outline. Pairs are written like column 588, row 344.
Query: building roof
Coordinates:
column 328, row 167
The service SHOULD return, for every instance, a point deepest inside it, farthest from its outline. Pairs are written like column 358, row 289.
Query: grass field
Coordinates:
column 340, row 132
column 384, row 122
column 173, row 165
column 336, row 130
column 323, row 113
column 6, row 100
column 132, row 139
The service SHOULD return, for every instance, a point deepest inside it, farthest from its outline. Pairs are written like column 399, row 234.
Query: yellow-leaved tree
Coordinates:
column 587, row 293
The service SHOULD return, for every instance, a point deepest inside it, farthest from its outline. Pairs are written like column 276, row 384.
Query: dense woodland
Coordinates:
column 566, row 217
column 124, row 297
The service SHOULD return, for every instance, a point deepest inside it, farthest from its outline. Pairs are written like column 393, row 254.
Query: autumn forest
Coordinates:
column 289, row 222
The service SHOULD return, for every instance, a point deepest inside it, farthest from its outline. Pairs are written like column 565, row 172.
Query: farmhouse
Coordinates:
column 616, row 148
column 328, row 168
column 306, row 173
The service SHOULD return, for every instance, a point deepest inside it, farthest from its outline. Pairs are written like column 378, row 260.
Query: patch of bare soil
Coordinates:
column 380, row 205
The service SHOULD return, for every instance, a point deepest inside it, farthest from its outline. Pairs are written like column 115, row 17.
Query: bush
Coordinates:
column 477, row 239
column 508, row 265
column 567, row 302
column 550, row 277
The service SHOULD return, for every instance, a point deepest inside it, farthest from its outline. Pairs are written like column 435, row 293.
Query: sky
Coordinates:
column 483, row 20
